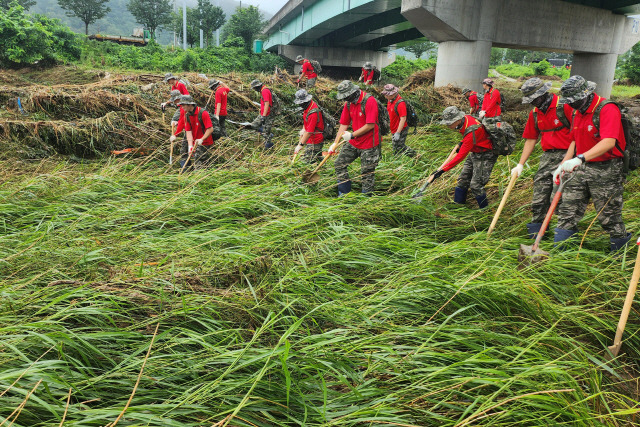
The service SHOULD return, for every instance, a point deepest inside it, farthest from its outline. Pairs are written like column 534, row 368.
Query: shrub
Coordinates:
column 631, row 66
column 402, row 68
column 541, row 68
column 515, row 70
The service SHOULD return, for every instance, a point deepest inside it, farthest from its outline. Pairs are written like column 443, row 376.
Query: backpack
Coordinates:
column 631, row 129
column 384, row 123
column 502, row 136
column 501, row 103
column 412, row 117
column 217, row 131
column 376, row 73
column 480, row 98
column 277, row 105
column 330, row 123
column 316, row 66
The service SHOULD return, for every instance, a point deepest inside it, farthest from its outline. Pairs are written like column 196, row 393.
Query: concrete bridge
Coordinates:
column 345, row 33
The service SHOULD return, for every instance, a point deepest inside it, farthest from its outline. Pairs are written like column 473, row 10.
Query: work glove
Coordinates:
column 557, row 174
column 298, row 148
column 396, row 137
column 517, row 171
column 482, row 113
column 347, row 136
column 172, row 138
column 437, row 174
column 197, row 141
column 333, row 148
column 571, row 165
column 301, row 132
column 163, row 105
column 174, row 123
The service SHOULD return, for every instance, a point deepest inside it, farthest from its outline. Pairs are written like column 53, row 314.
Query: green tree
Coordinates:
column 246, row 23
column 210, row 17
column 89, row 11
column 419, row 49
column 631, row 65
column 26, row 4
column 193, row 29
column 497, row 56
column 153, row 14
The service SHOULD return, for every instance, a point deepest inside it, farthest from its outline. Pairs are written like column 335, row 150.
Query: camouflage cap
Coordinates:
column 175, row 94
column 213, row 83
column 451, row 115
column 302, row 96
column 487, row 81
column 367, row 65
column 466, row 90
column 169, row 76
column 576, row 88
column 256, row 83
column 390, row 90
column 345, row 89
column 186, row 100
column 533, row 88
column 299, row 58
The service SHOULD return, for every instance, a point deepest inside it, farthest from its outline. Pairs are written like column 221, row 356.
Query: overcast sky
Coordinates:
column 271, row 6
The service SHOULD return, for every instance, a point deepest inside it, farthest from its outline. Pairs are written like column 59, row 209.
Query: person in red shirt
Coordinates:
column 307, row 71
column 480, row 160
column 220, row 108
column 491, row 101
column 311, row 133
column 598, row 141
column 264, row 122
column 176, row 84
column 361, row 112
column 397, row 108
column 549, row 121
column 367, row 73
column 199, row 129
column 177, row 123
column 472, row 97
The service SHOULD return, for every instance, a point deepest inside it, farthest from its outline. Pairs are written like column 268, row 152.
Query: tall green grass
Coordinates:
column 279, row 304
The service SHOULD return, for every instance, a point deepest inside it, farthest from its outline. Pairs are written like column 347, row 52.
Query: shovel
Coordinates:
column 295, row 156
column 418, row 196
column 531, row 254
column 512, row 182
column 313, row 177
column 617, row 341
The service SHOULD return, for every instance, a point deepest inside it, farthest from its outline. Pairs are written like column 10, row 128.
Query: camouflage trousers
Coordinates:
column 543, row 188
column 223, row 127
column 313, row 153
column 400, row 146
column 369, row 159
column 263, row 126
column 311, row 83
column 476, row 171
column 602, row 182
column 200, row 159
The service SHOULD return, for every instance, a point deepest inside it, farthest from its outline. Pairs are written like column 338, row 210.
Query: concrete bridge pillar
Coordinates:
column 463, row 64
column 596, row 67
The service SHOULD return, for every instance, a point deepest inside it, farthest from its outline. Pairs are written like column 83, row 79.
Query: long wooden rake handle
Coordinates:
column 188, row 157
column 327, row 158
column 512, row 182
column 617, row 341
column 173, row 130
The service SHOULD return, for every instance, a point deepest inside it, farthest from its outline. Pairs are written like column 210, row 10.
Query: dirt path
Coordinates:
column 509, row 79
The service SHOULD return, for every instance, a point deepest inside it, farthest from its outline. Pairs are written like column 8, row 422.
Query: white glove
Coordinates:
column 174, row 123
column 517, row 171
column 333, row 148
column 298, row 148
column 571, row 165
column 396, row 137
column 197, row 142
column 301, row 132
column 163, row 104
column 482, row 113
column 347, row 136
column 557, row 173
column 172, row 138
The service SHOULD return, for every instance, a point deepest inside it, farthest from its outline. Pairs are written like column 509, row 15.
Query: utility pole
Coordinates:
column 218, row 29
column 184, row 24
column 201, row 36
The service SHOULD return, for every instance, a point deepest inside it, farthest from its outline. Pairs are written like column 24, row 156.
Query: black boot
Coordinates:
column 460, row 195
column 482, row 201
column 620, row 243
column 344, row 188
column 533, row 228
column 560, row 236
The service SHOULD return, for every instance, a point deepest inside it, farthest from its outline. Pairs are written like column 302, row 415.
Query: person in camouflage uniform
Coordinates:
column 364, row 142
column 597, row 169
column 200, row 133
column 479, row 163
column 264, row 122
column 550, row 121
column 175, row 99
column 311, row 137
column 397, row 108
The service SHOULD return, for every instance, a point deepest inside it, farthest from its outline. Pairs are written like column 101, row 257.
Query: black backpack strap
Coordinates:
column 596, row 121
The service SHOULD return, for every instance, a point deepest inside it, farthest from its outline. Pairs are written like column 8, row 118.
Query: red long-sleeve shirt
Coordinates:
column 483, row 143
column 491, row 103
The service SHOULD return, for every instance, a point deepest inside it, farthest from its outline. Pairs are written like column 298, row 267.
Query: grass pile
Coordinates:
column 239, row 296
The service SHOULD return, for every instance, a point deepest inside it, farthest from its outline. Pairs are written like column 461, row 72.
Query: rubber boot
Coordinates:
column 560, row 236
column 344, row 188
column 267, row 143
column 617, row 244
column 482, row 201
column 460, row 195
column 533, row 228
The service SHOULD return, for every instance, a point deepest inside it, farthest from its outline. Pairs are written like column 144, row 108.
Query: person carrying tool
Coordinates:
column 491, row 101
column 177, row 123
column 475, row 143
column 548, row 121
column 361, row 112
column 307, row 71
column 176, row 84
column 220, row 109
column 199, row 129
column 397, row 108
column 472, row 97
column 264, row 122
column 598, row 142
column 311, row 133
column 367, row 73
